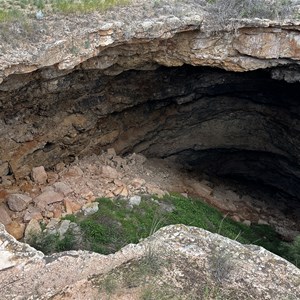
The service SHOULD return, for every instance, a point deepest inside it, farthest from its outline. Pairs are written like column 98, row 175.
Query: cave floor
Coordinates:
column 109, row 175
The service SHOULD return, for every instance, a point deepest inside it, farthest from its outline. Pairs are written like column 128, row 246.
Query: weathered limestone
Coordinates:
column 189, row 251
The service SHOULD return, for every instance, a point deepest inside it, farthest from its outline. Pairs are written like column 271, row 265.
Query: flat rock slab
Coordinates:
column 48, row 197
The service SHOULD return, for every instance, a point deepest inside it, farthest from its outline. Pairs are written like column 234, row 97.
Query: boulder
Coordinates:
column 39, row 175
column 4, row 216
column 135, row 200
column 16, row 229
column 109, row 172
column 46, row 198
column 18, row 202
column 33, row 213
column 70, row 206
column 62, row 188
column 90, row 208
column 33, row 228
column 63, row 228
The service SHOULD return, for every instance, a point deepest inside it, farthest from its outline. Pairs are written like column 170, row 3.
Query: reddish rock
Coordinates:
column 47, row 197
column 39, row 175
column 16, row 229
column 57, row 213
column 71, row 206
column 4, row 216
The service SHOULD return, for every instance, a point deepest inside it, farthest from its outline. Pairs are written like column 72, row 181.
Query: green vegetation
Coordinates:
column 50, row 243
column 224, row 10
column 15, row 10
column 116, row 225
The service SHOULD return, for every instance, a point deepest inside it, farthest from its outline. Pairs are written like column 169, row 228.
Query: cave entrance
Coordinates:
column 238, row 128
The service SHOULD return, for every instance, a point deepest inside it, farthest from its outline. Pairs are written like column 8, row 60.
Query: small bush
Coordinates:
column 50, row 243
column 293, row 251
column 221, row 11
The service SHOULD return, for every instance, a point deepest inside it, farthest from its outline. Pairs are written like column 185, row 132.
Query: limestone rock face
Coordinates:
column 64, row 96
column 189, row 262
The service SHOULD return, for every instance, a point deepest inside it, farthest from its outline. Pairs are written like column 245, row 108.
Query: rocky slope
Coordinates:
column 60, row 94
column 177, row 261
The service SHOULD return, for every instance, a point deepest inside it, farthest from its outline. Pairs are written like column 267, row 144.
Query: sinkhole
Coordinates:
column 242, row 128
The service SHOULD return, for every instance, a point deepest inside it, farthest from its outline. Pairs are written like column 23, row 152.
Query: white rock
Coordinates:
column 90, row 208
column 63, row 228
column 135, row 200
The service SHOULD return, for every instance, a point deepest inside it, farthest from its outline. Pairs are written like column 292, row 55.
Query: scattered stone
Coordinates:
column 16, row 229
column 33, row 228
column 154, row 190
column 70, row 206
column 18, row 202
column 262, row 222
column 48, row 214
column 124, row 192
column 39, row 175
column 109, row 172
column 138, row 182
column 111, row 153
column 63, row 228
column 62, row 188
column 118, row 190
column 74, row 171
column 33, row 213
column 166, row 207
column 57, row 213
column 52, row 226
column 235, row 218
column 52, row 177
column 90, row 208
column 47, row 198
column 4, row 216
column 60, row 167
column 90, row 197
column 135, row 200
column 247, row 222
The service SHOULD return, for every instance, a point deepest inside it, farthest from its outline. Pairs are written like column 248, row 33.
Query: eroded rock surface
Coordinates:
column 188, row 262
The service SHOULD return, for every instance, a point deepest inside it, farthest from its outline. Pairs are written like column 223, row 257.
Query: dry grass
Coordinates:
column 14, row 10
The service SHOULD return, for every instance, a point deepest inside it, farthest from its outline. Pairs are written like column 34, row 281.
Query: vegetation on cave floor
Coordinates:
column 117, row 224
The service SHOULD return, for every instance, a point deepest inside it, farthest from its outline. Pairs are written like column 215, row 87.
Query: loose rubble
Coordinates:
column 72, row 189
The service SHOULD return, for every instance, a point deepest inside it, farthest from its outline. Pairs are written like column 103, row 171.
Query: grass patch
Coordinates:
column 15, row 10
column 50, row 243
column 116, row 224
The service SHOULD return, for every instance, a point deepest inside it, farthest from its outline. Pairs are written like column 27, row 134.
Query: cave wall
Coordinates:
column 203, row 117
